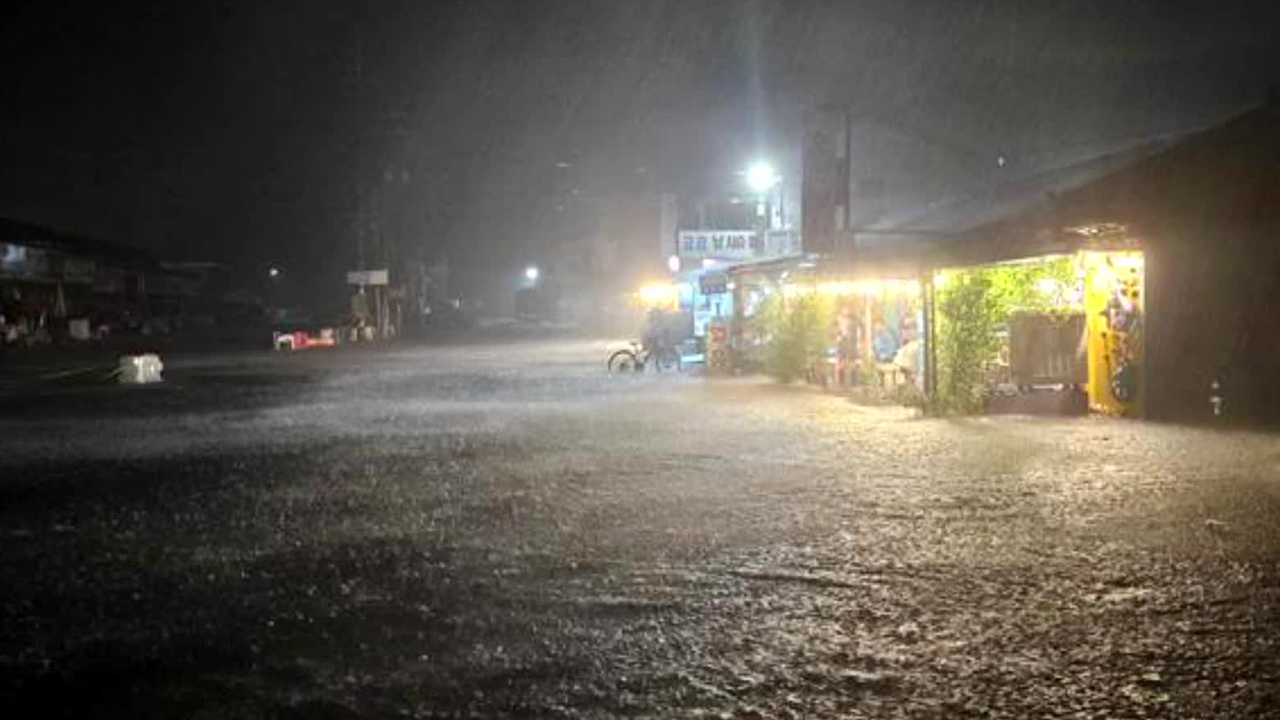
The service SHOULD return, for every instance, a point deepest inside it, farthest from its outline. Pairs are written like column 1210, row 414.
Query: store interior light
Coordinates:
column 658, row 293
column 838, row 287
column 870, row 288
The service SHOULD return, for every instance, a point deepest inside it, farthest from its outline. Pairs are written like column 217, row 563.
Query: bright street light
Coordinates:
column 673, row 263
column 273, row 272
column 761, row 177
column 531, row 273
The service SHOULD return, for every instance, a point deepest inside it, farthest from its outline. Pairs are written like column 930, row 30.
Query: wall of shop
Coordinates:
column 1212, row 317
column 1207, row 214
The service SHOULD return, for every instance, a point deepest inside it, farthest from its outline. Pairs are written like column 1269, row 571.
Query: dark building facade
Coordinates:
column 48, row 278
column 1206, row 214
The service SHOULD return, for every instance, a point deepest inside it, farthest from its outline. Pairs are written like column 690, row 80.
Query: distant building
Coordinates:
column 49, row 277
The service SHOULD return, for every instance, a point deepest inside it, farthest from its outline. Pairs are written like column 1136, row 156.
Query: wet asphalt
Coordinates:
column 503, row 530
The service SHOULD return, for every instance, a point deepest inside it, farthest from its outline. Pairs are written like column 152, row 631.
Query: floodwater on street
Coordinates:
column 504, row 530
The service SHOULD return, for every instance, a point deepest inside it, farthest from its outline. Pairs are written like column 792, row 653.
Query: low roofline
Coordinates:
column 18, row 232
column 774, row 263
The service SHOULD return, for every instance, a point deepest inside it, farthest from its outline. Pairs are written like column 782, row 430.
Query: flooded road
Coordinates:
column 505, row 531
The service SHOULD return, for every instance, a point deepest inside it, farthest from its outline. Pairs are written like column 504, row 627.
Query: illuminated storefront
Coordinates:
column 1064, row 323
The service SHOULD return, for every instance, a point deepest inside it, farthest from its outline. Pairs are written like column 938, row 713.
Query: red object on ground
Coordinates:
column 301, row 339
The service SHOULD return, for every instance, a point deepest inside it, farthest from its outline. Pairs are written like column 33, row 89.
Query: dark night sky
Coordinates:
column 240, row 130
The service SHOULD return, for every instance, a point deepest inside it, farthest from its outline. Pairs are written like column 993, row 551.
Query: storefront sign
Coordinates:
column 726, row 244
column 713, row 283
column 718, row 346
column 781, row 242
column 367, row 277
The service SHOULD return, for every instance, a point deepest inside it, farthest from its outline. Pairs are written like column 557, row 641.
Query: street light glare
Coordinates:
column 274, row 272
column 761, row 177
column 531, row 272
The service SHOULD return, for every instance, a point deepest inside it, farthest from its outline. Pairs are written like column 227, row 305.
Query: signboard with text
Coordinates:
column 367, row 277
column 722, row 244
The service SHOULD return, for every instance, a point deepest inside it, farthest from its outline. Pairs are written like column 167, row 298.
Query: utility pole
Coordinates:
column 382, row 182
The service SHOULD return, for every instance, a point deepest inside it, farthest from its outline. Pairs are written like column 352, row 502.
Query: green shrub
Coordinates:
column 969, row 316
column 797, row 332
column 972, row 305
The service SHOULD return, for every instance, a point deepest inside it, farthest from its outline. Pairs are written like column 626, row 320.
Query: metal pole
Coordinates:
column 847, row 171
column 868, row 337
column 930, row 335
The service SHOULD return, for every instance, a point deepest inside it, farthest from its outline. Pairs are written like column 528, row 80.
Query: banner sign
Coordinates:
column 367, row 277
column 724, row 244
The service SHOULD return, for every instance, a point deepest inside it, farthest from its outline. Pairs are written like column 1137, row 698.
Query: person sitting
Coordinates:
column 883, row 343
column 908, row 360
